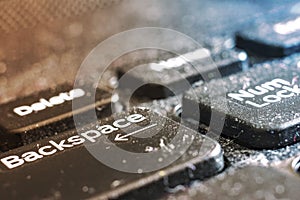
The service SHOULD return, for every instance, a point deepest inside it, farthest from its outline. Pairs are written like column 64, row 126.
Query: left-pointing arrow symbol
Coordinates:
column 121, row 138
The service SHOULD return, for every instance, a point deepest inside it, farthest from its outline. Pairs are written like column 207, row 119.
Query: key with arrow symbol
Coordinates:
column 121, row 138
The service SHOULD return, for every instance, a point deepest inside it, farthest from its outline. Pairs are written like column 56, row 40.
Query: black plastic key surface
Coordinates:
column 45, row 108
column 260, row 107
column 61, row 167
column 163, row 78
column 251, row 182
column 272, row 39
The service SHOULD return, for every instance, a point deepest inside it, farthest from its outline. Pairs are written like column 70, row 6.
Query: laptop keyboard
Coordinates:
column 221, row 121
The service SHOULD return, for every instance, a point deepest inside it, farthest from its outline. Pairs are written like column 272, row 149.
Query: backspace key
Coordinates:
column 90, row 163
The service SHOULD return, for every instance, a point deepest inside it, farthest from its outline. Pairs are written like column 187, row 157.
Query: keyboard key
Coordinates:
column 251, row 182
column 271, row 39
column 46, row 108
column 158, row 78
column 72, row 171
column 261, row 105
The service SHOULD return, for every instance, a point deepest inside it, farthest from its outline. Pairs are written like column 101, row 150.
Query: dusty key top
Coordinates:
column 44, row 108
column 261, row 106
column 276, row 39
column 110, row 158
column 163, row 78
column 251, row 182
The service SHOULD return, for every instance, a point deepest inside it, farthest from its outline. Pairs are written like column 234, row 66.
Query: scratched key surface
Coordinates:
column 260, row 107
column 68, row 161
